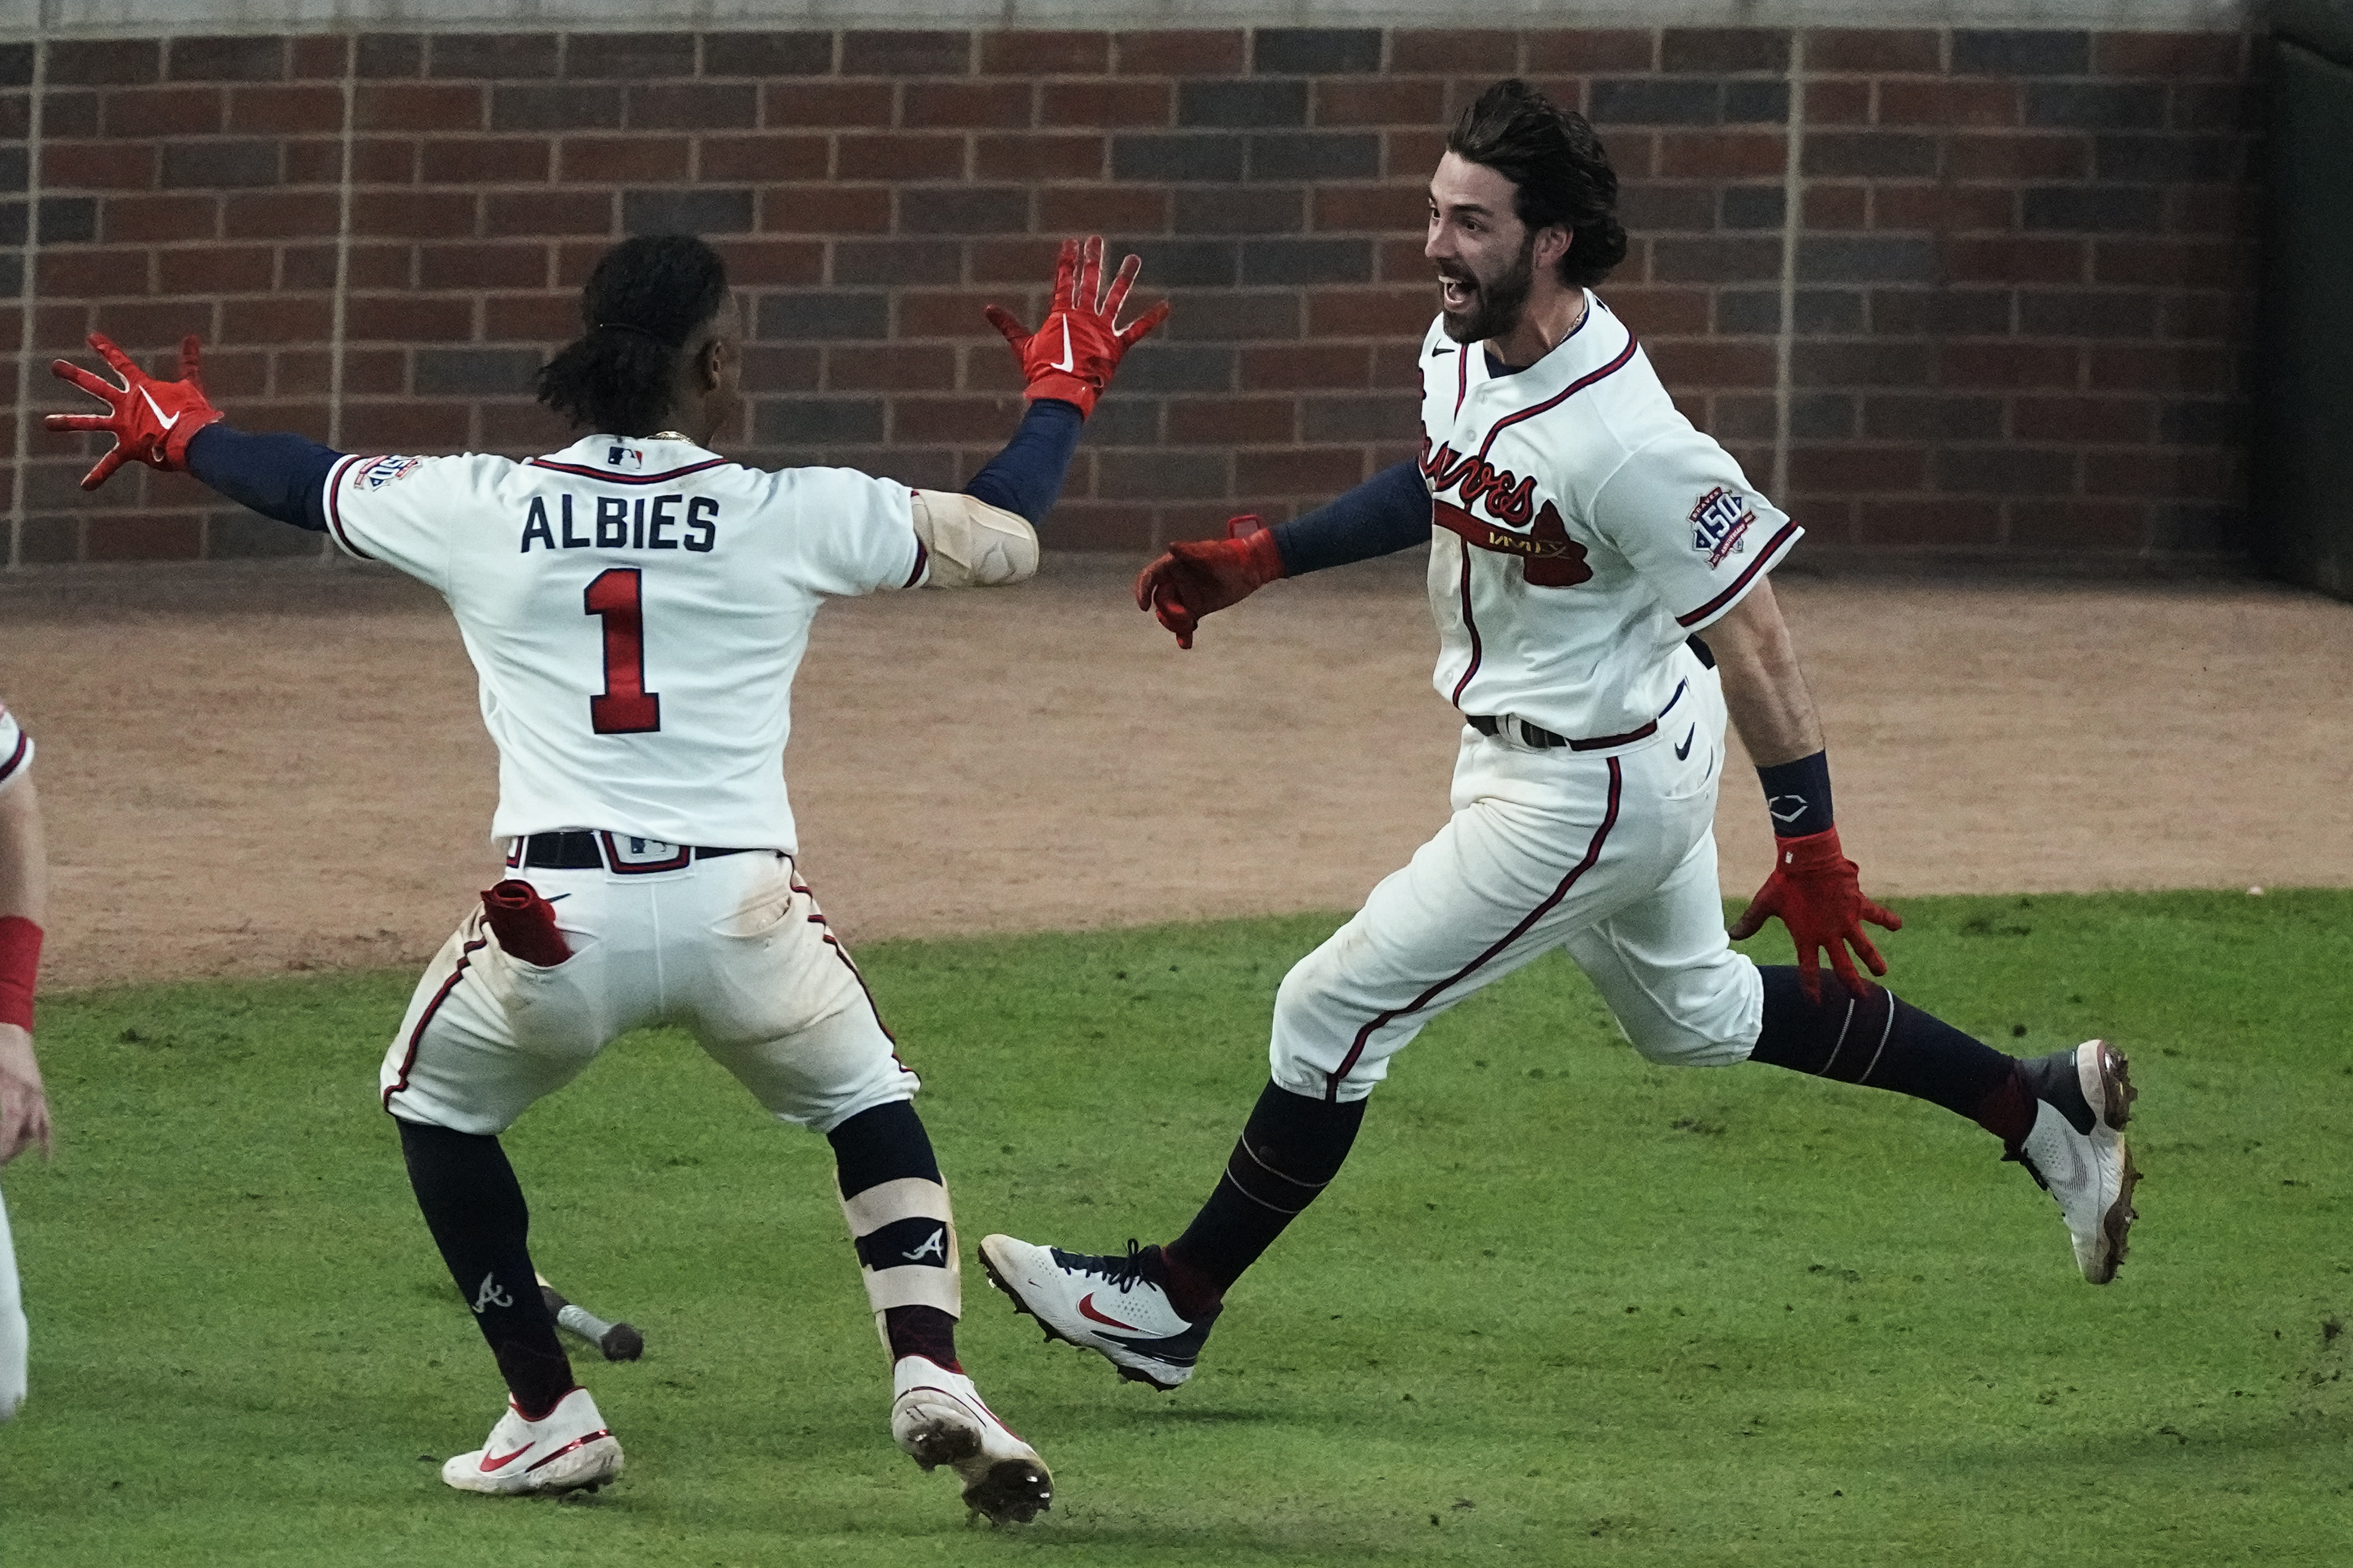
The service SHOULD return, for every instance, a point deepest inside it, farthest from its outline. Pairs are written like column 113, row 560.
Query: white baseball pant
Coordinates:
column 734, row 948
column 1608, row 854
column 14, row 1337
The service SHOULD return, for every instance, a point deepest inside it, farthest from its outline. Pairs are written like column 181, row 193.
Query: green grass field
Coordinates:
column 1561, row 1307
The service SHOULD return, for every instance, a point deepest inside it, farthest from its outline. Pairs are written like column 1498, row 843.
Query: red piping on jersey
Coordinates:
column 816, row 918
column 17, row 757
column 624, row 479
column 1471, row 625
column 1563, row 396
column 1592, row 853
column 335, row 509
column 1463, row 373
column 1764, row 558
column 416, row 1036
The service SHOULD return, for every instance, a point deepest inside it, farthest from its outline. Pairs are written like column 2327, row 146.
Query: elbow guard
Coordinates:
column 971, row 544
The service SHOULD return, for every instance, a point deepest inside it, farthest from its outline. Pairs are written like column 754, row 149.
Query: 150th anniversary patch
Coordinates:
column 1719, row 522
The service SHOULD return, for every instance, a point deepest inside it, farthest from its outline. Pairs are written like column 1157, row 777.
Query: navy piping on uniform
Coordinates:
column 335, row 507
column 1764, row 558
column 1592, row 855
column 1471, row 625
column 1563, row 396
column 15, row 758
column 416, row 1036
column 625, row 478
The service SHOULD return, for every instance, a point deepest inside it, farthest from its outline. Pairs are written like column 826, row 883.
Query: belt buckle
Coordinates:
column 634, row 855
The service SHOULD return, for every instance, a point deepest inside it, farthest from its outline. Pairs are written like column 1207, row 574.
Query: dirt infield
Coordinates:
column 255, row 769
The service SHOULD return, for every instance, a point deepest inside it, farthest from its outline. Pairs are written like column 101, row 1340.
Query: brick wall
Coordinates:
column 2020, row 289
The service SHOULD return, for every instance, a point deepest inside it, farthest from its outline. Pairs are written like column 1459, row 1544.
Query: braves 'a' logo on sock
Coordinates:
column 490, row 1295
column 935, row 1246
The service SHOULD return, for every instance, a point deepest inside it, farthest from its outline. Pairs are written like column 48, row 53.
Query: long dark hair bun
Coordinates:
column 641, row 307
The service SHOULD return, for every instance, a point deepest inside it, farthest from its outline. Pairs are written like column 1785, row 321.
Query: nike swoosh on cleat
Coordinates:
column 158, row 407
column 1068, row 361
column 1087, row 1309
column 1684, row 750
column 503, row 1461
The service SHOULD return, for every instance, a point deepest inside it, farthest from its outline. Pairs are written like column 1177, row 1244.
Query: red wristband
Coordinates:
column 20, row 960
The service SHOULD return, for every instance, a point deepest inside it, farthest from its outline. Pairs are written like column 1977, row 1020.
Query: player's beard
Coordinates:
column 1497, row 302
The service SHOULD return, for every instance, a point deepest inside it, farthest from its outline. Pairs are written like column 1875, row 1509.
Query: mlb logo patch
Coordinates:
column 384, row 470
column 624, row 457
column 1719, row 522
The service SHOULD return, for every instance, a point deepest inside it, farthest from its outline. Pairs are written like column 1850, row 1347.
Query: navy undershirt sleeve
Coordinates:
column 1387, row 513
column 1026, row 476
column 278, row 476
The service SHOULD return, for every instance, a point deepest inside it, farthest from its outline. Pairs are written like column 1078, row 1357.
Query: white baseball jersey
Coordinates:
column 16, row 749
column 1581, row 530
column 635, row 610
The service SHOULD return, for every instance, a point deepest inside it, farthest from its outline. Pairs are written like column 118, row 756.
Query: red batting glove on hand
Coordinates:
column 1073, row 351
column 1197, row 576
column 151, row 420
column 1816, row 892
column 525, row 924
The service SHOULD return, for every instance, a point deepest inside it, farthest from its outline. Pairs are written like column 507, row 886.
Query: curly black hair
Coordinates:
column 1559, row 166
column 641, row 307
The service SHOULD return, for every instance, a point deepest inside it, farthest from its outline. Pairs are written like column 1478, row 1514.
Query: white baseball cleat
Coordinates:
column 569, row 1450
column 937, row 1418
column 1108, row 1305
column 2078, row 1152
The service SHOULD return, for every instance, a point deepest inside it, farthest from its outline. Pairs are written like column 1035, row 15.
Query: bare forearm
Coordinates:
column 1764, row 689
column 24, row 864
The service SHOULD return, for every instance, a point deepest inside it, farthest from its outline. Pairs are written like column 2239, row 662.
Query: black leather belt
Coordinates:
column 1538, row 736
column 581, row 850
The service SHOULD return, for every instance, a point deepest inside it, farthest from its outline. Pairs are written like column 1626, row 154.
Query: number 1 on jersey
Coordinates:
column 627, row 707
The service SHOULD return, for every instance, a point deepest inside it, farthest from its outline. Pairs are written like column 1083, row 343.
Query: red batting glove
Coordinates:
column 525, row 924
column 151, row 420
column 1198, row 576
column 1815, row 891
column 1074, row 351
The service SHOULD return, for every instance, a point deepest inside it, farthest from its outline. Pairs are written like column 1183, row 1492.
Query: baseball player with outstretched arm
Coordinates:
column 24, row 1106
column 1583, row 536
column 635, row 606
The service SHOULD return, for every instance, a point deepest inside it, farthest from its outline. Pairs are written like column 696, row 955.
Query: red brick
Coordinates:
column 517, row 428
column 2018, row 157
column 1567, row 91
column 1688, row 362
column 1130, row 210
column 1125, row 526
column 1924, row 523
column 379, row 267
column 1232, row 421
column 1370, row 312
column 949, row 419
column 1179, row 53
column 98, row 165
column 1035, row 157
column 144, row 539
column 1317, row 365
column 998, row 104
column 375, row 371
column 91, row 274
column 164, row 112
column 277, row 320
column 2015, row 260
column 530, row 318
column 1378, row 100
column 1828, row 206
column 1490, row 52
column 477, row 266
column 1107, row 105
column 1872, row 50
column 751, row 263
column 408, row 319
column 1948, row 104
column 899, row 157
column 1844, row 469
column 2206, row 317
column 2171, row 56
column 2001, row 364
column 134, row 219
column 315, row 163
column 412, row 214
column 2077, row 525
column 825, row 209
column 1029, row 53
column 2202, row 476
column 827, row 103
column 2099, row 420
column 623, row 160
column 1724, row 155
column 261, row 214
column 758, row 159
column 259, row 110
column 1317, row 471
column 2212, row 209
column 522, row 213
column 1401, row 261
column 2167, row 367
column 1837, row 102
column 1412, row 154
column 385, row 161
column 1945, row 208
column 1661, row 312
column 404, row 426
column 1590, row 50
column 933, row 313
column 1381, row 209
column 138, row 324
column 901, row 367
column 439, row 106
column 324, row 55
column 215, row 270
column 484, row 161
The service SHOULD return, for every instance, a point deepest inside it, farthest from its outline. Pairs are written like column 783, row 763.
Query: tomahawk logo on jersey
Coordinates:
column 1582, row 529
column 635, row 610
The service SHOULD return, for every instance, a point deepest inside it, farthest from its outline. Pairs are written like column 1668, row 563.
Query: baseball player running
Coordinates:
column 635, row 606
column 1582, row 536
column 24, row 1107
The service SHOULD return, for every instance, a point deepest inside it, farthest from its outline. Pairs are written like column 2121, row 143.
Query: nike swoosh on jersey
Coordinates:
column 503, row 1461
column 1068, row 361
column 1087, row 1309
column 1684, row 750
column 158, row 407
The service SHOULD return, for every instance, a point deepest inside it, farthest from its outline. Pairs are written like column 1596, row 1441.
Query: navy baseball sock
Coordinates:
column 888, row 1144
column 1881, row 1042
column 475, row 1209
column 1290, row 1150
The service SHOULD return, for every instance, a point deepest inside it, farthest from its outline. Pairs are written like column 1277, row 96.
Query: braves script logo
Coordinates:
column 384, row 470
column 1718, row 523
column 1548, row 556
